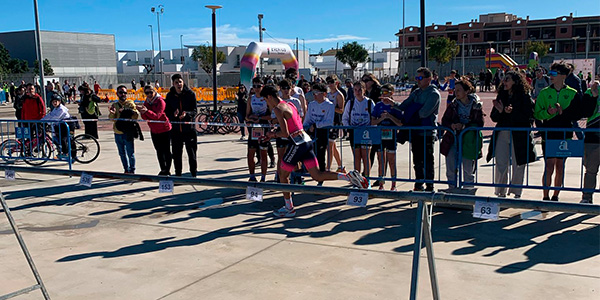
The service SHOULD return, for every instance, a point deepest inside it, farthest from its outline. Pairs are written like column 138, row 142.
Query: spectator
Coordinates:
column 33, row 107
column 481, row 80
column 449, row 84
column 308, row 94
column 96, row 87
column 60, row 112
column 124, row 109
column 557, row 107
column 241, row 98
column 181, row 107
column 464, row 111
column 358, row 114
column 11, row 91
column 18, row 102
column 591, row 154
column 373, row 87
column 153, row 109
column 88, row 107
column 513, row 107
column 336, row 97
column 488, row 80
column 421, row 109
column 349, row 90
column 385, row 114
column 133, row 85
column 142, row 83
column 320, row 114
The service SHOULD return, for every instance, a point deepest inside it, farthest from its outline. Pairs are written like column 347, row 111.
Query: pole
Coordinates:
column 336, row 59
column 389, row 59
column 160, row 61
column 463, row 54
column 214, row 64
column 296, row 48
column 401, row 64
column 423, row 36
column 260, row 39
column 373, row 61
column 303, row 55
column 40, row 57
column 153, row 57
column 490, row 55
column 182, row 57
column 587, row 41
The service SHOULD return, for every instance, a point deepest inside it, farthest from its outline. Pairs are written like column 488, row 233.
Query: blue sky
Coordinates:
column 320, row 23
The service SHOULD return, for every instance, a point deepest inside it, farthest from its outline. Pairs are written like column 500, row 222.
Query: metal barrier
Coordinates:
column 425, row 201
column 374, row 135
column 560, row 148
column 35, row 142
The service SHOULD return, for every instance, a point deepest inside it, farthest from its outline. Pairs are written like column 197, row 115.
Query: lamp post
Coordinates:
column 303, row 55
column 389, row 60
column 214, row 50
column 490, row 55
column 38, row 42
column 575, row 38
column 182, row 57
column 260, row 39
column 463, row 53
column 153, row 59
column 159, row 10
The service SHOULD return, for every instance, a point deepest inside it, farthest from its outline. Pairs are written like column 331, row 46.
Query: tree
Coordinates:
column 321, row 51
column 352, row 54
column 4, row 59
column 442, row 49
column 18, row 66
column 204, row 56
column 537, row 46
column 47, row 67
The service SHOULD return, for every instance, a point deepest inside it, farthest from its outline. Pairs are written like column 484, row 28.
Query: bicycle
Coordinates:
column 33, row 151
column 226, row 116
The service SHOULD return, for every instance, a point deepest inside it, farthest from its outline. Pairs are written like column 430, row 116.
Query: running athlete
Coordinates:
column 282, row 143
column 257, row 112
column 300, row 149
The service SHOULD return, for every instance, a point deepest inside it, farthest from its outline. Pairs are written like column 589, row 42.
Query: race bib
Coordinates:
column 301, row 138
column 387, row 134
column 256, row 132
column 165, row 186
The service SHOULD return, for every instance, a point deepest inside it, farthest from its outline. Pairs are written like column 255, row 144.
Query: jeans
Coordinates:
column 190, row 139
column 422, row 150
column 125, row 148
column 591, row 161
column 162, row 145
column 468, row 168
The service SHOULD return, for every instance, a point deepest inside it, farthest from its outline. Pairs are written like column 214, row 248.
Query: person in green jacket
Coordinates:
column 591, row 146
column 556, row 107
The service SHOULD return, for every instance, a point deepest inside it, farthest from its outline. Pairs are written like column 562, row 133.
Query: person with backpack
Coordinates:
column 358, row 114
column 421, row 109
column 125, row 130
column 88, row 108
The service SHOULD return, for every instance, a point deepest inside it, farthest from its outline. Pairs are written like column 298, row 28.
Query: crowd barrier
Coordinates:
column 35, row 142
column 224, row 94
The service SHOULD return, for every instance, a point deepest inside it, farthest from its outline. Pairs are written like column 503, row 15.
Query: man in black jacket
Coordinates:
column 181, row 107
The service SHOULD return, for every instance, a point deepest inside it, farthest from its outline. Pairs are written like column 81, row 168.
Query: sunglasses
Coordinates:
column 553, row 73
column 149, row 93
column 330, row 82
column 317, row 93
column 419, row 77
column 121, row 93
column 386, row 92
column 257, row 86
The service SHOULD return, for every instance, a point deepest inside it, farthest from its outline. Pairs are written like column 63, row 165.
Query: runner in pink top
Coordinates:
column 300, row 149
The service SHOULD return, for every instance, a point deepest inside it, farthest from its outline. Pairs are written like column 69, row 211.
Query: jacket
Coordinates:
column 451, row 117
column 184, row 102
column 33, row 108
column 156, row 112
column 428, row 103
column 85, row 101
column 569, row 101
column 520, row 117
column 591, row 106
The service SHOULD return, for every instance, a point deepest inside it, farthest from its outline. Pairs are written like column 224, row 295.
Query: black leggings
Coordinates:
column 162, row 142
column 190, row 139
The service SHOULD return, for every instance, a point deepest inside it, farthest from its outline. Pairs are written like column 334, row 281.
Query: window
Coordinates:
column 518, row 32
column 476, row 35
column 411, row 38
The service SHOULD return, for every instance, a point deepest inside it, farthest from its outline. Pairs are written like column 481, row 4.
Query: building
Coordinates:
column 568, row 37
column 381, row 64
column 69, row 53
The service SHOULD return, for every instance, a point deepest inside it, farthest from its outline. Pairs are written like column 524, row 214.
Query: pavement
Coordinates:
column 125, row 240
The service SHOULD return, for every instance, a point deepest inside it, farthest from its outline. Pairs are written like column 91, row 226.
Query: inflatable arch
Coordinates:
column 257, row 50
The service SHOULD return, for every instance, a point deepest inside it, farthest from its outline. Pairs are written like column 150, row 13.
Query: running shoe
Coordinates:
column 393, row 189
column 358, row 180
column 341, row 170
column 284, row 212
column 252, row 179
column 381, row 187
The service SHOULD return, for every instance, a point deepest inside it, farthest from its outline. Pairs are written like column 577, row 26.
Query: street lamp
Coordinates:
column 214, row 50
column 463, row 53
column 153, row 58
column 159, row 10
column 490, row 55
column 182, row 57
column 260, row 39
column 390, row 59
column 303, row 55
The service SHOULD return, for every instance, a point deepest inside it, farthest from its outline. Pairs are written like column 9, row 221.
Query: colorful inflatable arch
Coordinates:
column 257, row 50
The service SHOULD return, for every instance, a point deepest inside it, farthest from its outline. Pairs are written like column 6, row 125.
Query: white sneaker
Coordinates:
column 284, row 212
column 358, row 180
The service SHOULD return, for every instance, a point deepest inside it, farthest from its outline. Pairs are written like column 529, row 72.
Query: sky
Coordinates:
column 317, row 24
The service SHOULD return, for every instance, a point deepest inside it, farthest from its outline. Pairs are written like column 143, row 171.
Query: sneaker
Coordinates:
column 381, row 187
column 358, row 180
column 393, row 189
column 546, row 199
column 554, row 198
column 377, row 183
column 320, row 183
column 263, row 180
column 284, row 212
column 243, row 138
column 272, row 164
column 418, row 188
column 586, row 201
column 252, row 179
column 341, row 170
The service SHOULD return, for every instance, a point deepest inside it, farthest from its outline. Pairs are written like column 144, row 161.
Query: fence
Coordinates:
column 224, row 94
column 35, row 142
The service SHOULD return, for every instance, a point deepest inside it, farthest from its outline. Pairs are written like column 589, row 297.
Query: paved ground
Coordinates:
column 124, row 240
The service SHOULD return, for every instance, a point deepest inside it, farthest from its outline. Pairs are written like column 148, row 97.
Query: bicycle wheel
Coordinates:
column 37, row 154
column 200, row 118
column 86, row 148
column 234, row 119
column 10, row 151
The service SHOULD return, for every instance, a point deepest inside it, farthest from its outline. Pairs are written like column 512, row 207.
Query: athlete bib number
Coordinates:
column 256, row 133
column 386, row 134
column 357, row 199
